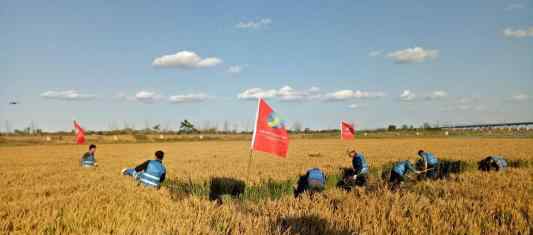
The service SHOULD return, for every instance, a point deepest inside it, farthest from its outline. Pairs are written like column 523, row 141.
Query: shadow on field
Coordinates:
column 306, row 225
column 218, row 188
column 181, row 189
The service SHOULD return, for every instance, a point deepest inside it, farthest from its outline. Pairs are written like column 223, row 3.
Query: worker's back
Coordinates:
column 501, row 163
column 430, row 158
column 316, row 179
column 152, row 175
column 88, row 160
column 359, row 164
column 402, row 167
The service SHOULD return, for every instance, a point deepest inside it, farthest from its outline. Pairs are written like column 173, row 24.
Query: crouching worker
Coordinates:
column 398, row 173
column 360, row 168
column 313, row 181
column 430, row 164
column 496, row 163
column 88, row 160
column 151, row 173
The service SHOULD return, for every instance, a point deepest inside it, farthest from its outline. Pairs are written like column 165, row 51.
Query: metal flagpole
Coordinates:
column 253, row 140
column 249, row 164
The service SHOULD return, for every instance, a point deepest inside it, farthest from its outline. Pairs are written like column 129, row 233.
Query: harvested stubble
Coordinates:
column 45, row 191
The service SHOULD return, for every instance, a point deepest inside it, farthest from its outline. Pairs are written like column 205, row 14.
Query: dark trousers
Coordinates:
column 361, row 180
column 433, row 172
column 395, row 180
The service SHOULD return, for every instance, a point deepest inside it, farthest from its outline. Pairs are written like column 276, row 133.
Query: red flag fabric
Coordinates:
column 347, row 131
column 80, row 133
column 270, row 135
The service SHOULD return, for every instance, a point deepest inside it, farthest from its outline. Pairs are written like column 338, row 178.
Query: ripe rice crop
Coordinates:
column 44, row 191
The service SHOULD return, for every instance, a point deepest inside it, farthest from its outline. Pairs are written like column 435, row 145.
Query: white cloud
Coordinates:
column 437, row 95
column 285, row 93
column 290, row 94
column 189, row 98
column 519, row 97
column 518, row 33
column 413, row 55
column 147, row 97
column 375, row 53
column 465, row 100
column 254, row 24
column 356, row 106
column 314, row 89
column 469, row 100
column 185, row 60
column 120, row 96
column 407, row 95
column 514, row 6
column 66, row 95
column 255, row 93
column 350, row 94
column 235, row 69
column 466, row 107
column 123, row 96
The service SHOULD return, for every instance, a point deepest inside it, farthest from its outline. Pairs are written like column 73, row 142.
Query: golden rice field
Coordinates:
column 44, row 191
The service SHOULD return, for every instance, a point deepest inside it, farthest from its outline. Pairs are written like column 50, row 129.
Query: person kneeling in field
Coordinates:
column 313, row 181
column 360, row 168
column 493, row 162
column 88, row 160
column 398, row 173
column 430, row 163
column 151, row 173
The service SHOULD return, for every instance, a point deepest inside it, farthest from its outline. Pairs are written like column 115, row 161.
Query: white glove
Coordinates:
column 354, row 177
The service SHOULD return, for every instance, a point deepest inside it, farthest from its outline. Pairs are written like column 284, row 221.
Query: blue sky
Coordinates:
column 370, row 62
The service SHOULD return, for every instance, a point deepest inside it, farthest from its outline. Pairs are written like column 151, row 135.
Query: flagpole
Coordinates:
column 253, row 141
column 341, row 129
column 251, row 154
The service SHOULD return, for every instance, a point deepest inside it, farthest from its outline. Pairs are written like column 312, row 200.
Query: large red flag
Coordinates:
column 347, row 131
column 80, row 133
column 270, row 135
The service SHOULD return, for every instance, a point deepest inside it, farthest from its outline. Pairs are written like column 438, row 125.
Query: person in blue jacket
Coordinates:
column 430, row 163
column 313, row 181
column 399, row 171
column 150, row 173
column 360, row 167
column 88, row 160
column 497, row 163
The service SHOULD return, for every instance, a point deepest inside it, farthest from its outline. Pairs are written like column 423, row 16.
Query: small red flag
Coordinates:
column 347, row 131
column 80, row 133
column 270, row 135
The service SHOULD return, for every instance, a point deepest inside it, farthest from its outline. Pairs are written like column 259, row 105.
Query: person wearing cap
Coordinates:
column 150, row 173
column 430, row 163
column 399, row 171
column 88, row 160
column 360, row 167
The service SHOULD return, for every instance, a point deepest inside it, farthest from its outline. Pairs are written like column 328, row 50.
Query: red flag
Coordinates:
column 80, row 133
column 270, row 135
column 347, row 131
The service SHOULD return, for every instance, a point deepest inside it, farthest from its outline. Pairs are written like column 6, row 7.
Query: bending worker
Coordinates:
column 360, row 167
column 313, row 181
column 497, row 163
column 151, row 173
column 88, row 160
column 399, row 171
column 430, row 163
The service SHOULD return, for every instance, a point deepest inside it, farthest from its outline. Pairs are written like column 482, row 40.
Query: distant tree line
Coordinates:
column 188, row 127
